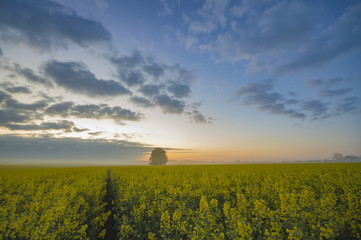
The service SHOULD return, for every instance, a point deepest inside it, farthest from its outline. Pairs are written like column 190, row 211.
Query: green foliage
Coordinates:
column 158, row 157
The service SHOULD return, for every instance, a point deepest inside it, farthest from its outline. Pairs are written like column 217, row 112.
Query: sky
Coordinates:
column 106, row 81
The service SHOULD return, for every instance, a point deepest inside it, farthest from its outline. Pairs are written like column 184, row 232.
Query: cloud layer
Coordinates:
column 46, row 24
column 48, row 148
column 262, row 94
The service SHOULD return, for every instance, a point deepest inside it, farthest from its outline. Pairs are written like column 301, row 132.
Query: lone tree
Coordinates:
column 158, row 157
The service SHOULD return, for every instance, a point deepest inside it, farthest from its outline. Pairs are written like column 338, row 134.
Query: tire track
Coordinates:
column 110, row 225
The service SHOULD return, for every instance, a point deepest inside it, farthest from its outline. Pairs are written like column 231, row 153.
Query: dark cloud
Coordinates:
column 4, row 96
column 318, row 108
column 95, row 133
column 340, row 38
column 159, row 84
column 75, row 129
column 141, row 101
column 291, row 101
column 292, row 94
column 14, row 104
column 331, row 93
column 11, row 115
column 169, row 105
column 197, row 117
column 30, row 75
column 49, row 148
column 1, row 52
column 179, row 90
column 150, row 90
column 125, row 63
column 76, row 77
column 154, row 70
column 261, row 95
column 18, row 89
column 60, row 125
column 44, row 24
column 61, row 109
column 92, row 111
column 13, row 111
column 132, row 78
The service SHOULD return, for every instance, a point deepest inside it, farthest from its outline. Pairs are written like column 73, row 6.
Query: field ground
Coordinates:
column 276, row 201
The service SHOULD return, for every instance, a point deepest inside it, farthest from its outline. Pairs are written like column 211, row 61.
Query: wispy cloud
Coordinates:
column 338, row 39
column 327, row 87
column 262, row 95
column 48, row 24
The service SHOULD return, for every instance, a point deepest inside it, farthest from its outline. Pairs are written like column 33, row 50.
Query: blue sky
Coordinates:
column 207, row 80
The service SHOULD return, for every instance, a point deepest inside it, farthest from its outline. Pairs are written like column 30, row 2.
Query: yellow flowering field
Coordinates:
column 52, row 203
column 280, row 201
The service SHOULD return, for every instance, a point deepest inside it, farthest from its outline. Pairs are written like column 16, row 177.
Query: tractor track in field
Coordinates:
column 110, row 225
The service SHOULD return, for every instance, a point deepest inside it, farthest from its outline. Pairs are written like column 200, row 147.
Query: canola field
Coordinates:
column 279, row 201
column 52, row 203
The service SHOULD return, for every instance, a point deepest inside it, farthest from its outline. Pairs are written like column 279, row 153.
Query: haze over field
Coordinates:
column 104, row 82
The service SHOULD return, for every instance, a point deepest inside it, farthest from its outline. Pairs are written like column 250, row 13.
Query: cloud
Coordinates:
column 159, row 84
column 95, row 133
column 197, row 117
column 179, row 90
column 326, row 86
column 318, row 108
column 154, row 69
column 59, row 125
column 30, row 75
column 4, row 96
column 261, row 95
column 150, row 90
column 75, row 129
column 169, row 105
column 49, row 148
column 14, row 104
column 208, row 18
column 19, row 89
column 77, row 78
column 276, row 36
column 11, row 115
column 61, row 109
column 92, row 111
column 166, row 11
column 13, row 111
column 349, row 105
column 314, row 83
column 141, row 101
column 45, row 24
column 338, row 39
column 264, row 31
column 331, row 93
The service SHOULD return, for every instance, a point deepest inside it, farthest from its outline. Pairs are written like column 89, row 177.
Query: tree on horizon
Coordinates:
column 158, row 157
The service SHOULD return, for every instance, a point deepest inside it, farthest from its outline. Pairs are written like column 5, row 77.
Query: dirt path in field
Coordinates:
column 111, row 232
